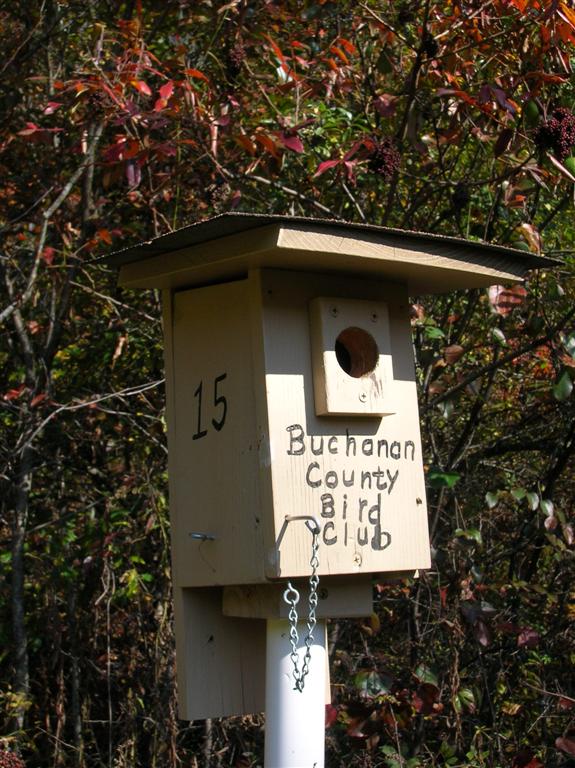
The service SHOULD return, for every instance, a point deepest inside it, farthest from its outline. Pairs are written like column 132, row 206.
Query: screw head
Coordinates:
column 323, row 593
column 334, row 312
column 362, row 397
column 374, row 317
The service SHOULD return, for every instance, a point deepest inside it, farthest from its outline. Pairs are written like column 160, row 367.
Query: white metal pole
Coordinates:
column 295, row 721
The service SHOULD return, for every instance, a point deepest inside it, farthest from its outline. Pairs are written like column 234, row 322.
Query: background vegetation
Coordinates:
column 124, row 120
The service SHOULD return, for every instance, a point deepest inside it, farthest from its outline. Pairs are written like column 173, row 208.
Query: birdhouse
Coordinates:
column 291, row 407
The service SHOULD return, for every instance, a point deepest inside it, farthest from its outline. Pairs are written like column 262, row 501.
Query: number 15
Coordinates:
column 220, row 402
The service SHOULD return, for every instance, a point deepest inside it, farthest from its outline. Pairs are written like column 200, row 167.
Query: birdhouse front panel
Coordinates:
column 356, row 471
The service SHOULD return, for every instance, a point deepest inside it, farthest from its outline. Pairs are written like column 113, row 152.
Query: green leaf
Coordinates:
column 532, row 500
column 477, row 574
column 426, row 675
column 384, row 63
column 370, row 684
column 518, row 493
column 492, row 499
column 563, row 388
column 499, row 336
column 433, row 332
column 464, row 700
column 446, row 408
column 438, row 479
column 569, row 344
column 471, row 534
column 547, row 507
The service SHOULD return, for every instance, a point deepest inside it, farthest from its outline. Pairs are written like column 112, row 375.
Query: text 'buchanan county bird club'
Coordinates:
column 350, row 499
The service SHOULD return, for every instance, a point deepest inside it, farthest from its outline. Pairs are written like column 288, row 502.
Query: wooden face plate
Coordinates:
column 362, row 478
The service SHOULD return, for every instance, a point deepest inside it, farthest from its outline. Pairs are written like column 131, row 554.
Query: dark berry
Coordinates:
column 10, row 760
column 557, row 133
column 384, row 158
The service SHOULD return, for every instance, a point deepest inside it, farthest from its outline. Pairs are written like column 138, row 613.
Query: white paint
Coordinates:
column 295, row 721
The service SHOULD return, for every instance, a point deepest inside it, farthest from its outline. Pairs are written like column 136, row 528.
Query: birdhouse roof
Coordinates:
column 226, row 247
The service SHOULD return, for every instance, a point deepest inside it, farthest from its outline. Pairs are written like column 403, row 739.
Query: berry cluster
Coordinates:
column 384, row 158
column 235, row 57
column 557, row 133
column 10, row 760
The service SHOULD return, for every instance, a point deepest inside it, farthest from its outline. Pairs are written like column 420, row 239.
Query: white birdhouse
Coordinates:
column 291, row 400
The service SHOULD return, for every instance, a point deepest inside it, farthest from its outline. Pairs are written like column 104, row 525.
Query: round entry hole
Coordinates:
column 356, row 352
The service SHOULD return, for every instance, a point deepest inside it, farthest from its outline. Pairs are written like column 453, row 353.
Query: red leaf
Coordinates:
column 339, row 53
column 14, row 394
column 503, row 300
column 48, row 254
column 142, row 87
column 29, row 129
column 160, row 104
column 51, row 107
column 292, row 142
column 347, row 45
column 525, row 759
column 566, row 744
column 569, row 534
column 167, row 90
column 38, row 399
column 105, row 236
column 443, row 596
column 197, row 74
column 166, row 149
column 502, row 100
column 547, row 77
column 385, row 104
column 245, row 142
column 325, row 166
column 550, row 523
column 426, row 699
column 528, row 638
column 276, row 49
column 268, row 143
column 331, row 714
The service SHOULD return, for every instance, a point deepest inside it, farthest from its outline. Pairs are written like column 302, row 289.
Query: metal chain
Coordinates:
column 291, row 597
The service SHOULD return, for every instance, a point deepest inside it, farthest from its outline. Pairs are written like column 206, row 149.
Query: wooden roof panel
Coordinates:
column 227, row 246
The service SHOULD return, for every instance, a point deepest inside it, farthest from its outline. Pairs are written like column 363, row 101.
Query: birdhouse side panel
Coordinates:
column 214, row 495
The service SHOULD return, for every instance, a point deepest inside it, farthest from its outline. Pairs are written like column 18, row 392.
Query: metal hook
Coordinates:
column 291, row 594
column 311, row 522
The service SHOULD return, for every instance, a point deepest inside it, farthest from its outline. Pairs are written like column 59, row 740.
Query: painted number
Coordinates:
column 220, row 405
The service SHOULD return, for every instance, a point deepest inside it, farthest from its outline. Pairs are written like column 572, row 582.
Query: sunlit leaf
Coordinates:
column 564, row 387
column 438, row 479
column 142, row 87
column 492, row 499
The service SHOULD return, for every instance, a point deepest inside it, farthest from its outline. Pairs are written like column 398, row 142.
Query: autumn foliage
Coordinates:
column 122, row 121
